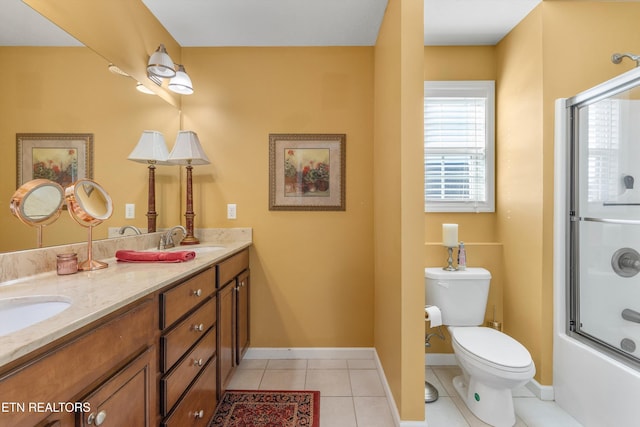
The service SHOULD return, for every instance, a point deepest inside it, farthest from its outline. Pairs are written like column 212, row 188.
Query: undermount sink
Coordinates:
column 18, row 313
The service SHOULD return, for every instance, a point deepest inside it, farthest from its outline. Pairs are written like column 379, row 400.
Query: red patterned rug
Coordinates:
column 258, row 408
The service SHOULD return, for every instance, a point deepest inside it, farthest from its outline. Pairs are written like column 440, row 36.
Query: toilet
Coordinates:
column 492, row 362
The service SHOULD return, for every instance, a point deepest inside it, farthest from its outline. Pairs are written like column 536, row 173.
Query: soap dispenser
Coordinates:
column 462, row 257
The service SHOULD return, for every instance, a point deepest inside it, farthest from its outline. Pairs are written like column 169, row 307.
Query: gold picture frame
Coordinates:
column 60, row 157
column 307, row 172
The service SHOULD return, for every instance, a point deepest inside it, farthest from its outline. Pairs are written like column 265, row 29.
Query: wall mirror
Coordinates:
column 37, row 203
column 76, row 93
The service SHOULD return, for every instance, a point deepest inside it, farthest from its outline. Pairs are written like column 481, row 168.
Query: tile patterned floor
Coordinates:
column 352, row 393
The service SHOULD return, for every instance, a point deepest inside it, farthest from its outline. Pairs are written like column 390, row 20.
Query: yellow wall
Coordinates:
column 519, row 162
column 75, row 93
column 398, row 212
column 312, row 272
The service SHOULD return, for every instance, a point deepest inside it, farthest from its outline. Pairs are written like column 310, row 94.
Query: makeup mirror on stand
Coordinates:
column 37, row 203
column 89, row 204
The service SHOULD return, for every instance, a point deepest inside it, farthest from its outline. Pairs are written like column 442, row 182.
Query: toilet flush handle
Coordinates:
column 443, row 284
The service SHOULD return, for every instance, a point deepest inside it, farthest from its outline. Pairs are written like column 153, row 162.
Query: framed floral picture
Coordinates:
column 60, row 157
column 307, row 172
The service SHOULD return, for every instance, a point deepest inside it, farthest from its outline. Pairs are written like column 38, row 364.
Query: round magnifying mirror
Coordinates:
column 37, row 203
column 89, row 204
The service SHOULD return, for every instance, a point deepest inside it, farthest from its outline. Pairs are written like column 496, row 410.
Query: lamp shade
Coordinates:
column 181, row 83
column 160, row 63
column 151, row 148
column 187, row 150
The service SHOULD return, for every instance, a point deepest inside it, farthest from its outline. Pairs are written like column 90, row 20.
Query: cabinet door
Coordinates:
column 226, row 334
column 242, row 316
column 126, row 398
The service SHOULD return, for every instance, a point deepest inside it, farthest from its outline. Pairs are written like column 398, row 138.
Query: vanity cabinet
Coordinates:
column 98, row 368
column 233, row 315
column 188, row 351
column 163, row 360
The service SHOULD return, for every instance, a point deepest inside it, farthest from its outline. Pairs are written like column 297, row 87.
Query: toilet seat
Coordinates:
column 491, row 347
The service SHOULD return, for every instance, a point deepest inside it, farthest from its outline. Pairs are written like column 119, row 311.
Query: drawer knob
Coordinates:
column 198, row 414
column 198, row 328
column 97, row 419
column 197, row 362
column 197, row 292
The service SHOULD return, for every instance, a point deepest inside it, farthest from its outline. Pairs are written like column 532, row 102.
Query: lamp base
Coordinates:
column 190, row 240
column 92, row 264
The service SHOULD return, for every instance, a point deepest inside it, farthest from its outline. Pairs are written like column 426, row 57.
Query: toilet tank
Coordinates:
column 461, row 295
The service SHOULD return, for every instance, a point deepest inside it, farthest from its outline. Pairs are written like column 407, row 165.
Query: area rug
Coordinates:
column 260, row 408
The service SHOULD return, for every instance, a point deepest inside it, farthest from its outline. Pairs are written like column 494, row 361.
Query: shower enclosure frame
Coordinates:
column 601, row 92
column 591, row 381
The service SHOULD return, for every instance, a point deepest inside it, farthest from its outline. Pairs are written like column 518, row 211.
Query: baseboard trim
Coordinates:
column 310, row 353
column 542, row 392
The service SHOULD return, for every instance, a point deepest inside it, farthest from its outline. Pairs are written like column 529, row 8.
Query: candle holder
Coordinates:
column 450, row 266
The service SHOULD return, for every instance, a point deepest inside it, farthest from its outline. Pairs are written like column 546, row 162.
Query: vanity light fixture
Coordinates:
column 152, row 150
column 181, row 83
column 188, row 151
column 160, row 64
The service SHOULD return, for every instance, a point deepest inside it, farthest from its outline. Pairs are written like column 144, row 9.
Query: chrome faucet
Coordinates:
column 131, row 227
column 166, row 240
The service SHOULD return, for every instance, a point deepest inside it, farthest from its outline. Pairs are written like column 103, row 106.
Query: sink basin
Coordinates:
column 18, row 313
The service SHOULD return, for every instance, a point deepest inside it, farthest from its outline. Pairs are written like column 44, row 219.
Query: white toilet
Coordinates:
column 492, row 362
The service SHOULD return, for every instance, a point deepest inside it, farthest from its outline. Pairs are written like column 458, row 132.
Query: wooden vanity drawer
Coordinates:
column 178, row 340
column 178, row 379
column 199, row 404
column 178, row 301
column 231, row 267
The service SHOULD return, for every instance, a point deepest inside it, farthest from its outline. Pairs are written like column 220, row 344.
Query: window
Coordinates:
column 459, row 146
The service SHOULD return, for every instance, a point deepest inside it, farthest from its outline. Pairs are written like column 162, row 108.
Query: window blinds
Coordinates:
column 455, row 140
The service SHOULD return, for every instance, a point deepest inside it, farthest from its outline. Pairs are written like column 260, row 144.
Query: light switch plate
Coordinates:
column 129, row 211
column 231, row 211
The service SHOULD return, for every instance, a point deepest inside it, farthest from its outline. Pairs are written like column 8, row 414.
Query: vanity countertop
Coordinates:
column 97, row 293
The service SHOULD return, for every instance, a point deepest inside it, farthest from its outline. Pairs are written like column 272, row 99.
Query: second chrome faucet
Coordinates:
column 166, row 240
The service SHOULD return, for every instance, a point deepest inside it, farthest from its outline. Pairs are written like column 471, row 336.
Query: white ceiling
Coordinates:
column 288, row 22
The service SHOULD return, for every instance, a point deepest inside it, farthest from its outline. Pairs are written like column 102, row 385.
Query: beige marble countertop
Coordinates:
column 95, row 294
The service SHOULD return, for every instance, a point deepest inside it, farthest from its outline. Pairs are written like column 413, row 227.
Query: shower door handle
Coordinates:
column 631, row 315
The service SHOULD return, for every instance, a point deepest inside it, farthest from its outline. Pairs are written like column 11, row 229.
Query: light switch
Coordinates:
column 231, row 211
column 129, row 211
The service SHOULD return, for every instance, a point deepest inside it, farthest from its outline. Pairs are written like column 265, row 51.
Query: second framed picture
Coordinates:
column 307, row 172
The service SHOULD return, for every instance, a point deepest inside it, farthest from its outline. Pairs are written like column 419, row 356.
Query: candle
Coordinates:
column 450, row 235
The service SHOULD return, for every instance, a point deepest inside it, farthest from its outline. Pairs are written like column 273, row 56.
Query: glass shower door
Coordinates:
column 604, row 220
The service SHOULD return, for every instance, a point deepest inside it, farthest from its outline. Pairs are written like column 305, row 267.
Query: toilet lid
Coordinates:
column 492, row 346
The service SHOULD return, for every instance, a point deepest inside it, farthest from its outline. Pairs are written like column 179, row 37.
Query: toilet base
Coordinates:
column 493, row 406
